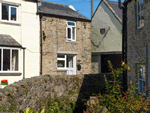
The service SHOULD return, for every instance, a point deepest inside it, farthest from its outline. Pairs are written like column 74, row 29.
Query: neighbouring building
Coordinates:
column 66, row 40
column 19, row 40
column 138, row 42
column 106, row 36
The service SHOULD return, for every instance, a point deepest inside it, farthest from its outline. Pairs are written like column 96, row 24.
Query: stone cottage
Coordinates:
column 19, row 40
column 106, row 36
column 66, row 40
column 138, row 38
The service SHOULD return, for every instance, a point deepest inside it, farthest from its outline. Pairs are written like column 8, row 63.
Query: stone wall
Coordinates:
column 56, row 42
column 137, row 38
column 34, row 92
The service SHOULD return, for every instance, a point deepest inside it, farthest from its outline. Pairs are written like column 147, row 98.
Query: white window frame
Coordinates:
column 141, row 79
column 62, row 59
column 9, row 15
column 71, row 27
column 1, row 70
column 65, row 65
column 139, row 13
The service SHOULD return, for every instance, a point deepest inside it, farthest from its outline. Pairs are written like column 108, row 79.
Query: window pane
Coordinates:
column 138, row 7
column 140, row 83
column 61, row 56
column 71, row 23
column 142, row 19
column 139, row 21
column 14, row 60
column 73, row 33
column 69, row 33
column 13, row 13
column 143, row 85
column 5, row 12
column 69, row 61
column 6, row 60
column 140, row 74
column 60, row 63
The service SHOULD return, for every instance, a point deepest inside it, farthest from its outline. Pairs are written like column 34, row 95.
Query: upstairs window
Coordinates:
column 9, row 13
column 140, row 17
column 71, row 31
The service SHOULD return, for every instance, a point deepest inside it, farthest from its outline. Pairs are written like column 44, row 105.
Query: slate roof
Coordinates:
column 7, row 40
column 115, row 7
column 59, row 10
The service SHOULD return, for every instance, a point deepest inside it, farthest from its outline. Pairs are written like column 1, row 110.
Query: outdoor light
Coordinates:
column 44, row 35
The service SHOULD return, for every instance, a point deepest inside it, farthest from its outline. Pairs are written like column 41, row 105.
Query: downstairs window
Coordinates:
column 9, row 59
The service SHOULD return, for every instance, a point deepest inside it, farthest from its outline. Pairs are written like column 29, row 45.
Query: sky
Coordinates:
column 82, row 6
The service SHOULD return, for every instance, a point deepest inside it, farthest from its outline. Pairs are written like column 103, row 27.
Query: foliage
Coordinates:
column 114, row 101
column 25, row 90
column 57, row 106
column 4, row 82
column 70, row 92
column 32, row 111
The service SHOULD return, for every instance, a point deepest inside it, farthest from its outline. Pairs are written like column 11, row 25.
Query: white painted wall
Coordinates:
column 28, row 35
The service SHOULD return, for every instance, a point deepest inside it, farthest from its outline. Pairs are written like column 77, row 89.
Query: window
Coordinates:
column 9, row 59
column 9, row 13
column 71, row 31
column 67, row 62
column 141, row 79
column 139, row 9
column 64, row 61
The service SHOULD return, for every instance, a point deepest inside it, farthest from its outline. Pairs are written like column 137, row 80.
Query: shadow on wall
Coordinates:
column 36, row 91
column 92, row 84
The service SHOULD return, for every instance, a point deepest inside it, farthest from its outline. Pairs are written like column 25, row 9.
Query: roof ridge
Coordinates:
column 54, row 3
column 111, row 1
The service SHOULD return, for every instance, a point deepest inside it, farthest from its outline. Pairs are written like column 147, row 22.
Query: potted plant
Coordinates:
column 4, row 83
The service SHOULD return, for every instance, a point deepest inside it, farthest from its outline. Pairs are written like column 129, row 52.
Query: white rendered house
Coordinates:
column 19, row 40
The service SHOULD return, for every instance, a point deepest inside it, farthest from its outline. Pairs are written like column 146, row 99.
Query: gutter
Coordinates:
column 41, row 43
column 23, row 61
column 124, row 41
column 61, row 16
column 41, row 55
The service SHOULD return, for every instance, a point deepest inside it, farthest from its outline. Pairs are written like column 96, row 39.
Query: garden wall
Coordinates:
column 34, row 92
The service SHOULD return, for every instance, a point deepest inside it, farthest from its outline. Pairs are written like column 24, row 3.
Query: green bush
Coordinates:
column 114, row 101
column 56, row 106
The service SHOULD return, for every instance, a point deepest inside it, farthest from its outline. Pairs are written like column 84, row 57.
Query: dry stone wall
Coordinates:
column 34, row 92
column 56, row 42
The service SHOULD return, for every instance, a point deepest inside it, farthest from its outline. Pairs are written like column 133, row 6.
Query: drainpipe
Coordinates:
column 23, row 62
column 124, row 41
column 41, row 43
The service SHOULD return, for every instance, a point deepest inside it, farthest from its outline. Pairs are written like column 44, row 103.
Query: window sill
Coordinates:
column 10, row 73
column 10, row 23
column 61, row 69
column 144, row 94
column 140, row 27
column 72, row 42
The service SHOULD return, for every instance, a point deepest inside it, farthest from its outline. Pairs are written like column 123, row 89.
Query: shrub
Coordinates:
column 114, row 101
column 4, row 82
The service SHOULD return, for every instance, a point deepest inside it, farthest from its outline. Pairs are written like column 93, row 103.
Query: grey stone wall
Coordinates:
column 56, row 42
column 137, row 38
column 34, row 92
